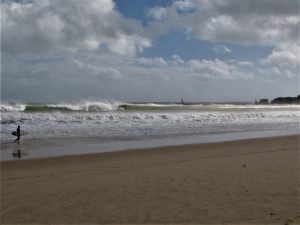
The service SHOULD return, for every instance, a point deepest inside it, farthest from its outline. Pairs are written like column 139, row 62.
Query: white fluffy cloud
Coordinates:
column 58, row 25
column 285, row 56
column 285, row 60
column 248, row 22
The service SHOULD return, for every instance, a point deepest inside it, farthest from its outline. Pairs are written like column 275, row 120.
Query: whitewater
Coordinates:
column 112, row 121
column 86, row 127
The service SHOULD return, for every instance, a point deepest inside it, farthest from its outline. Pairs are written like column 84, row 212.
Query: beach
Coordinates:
column 140, row 112
column 253, row 181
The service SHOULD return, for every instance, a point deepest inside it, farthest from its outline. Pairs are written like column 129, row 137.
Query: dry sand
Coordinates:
column 238, row 182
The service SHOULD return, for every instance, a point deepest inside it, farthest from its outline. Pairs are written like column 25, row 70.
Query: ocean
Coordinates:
column 136, row 125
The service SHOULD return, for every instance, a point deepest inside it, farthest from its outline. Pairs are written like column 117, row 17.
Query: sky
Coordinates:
column 149, row 50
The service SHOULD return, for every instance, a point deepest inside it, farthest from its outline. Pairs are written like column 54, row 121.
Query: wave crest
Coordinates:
column 12, row 107
column 103, row 106
column 84, row 106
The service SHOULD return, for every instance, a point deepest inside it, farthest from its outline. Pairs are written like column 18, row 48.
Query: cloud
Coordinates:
column 151, row 61
column 84, row 74
column 244, row 7
column 57, row 25
column 221, row 49
column 180, row 7
column 285, row 56
column 184, row 6
column 99, row 65
column 177, row 60
column 80, row 49
column 245, row 22
column 284, row 60
column 216, row 69
column 157, row 13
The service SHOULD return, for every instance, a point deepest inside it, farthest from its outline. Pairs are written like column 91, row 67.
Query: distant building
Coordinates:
column 263, row 101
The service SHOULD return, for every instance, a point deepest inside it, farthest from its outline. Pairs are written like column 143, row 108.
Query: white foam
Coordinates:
column 90, row 106
column 81, row 105
column 12, row 107
column 115, row 125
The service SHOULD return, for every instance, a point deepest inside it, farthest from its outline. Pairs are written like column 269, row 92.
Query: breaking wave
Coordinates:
column 84, row 106
column 104, row 106
column 112, row 120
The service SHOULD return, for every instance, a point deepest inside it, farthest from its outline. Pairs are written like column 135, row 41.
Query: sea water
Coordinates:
column 136, row 125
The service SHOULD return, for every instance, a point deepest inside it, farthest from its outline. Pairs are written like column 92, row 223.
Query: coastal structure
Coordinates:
column 286, row 100
column 263, row 101
column 279, row 100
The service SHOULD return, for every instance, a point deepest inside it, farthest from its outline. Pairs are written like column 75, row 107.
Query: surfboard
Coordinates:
column 22, row 133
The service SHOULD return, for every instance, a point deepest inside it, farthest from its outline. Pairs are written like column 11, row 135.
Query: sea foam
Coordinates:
column 106, row 120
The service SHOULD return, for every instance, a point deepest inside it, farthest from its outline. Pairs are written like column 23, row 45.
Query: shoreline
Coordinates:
column 48, row 148
column 242, row 182
column 155, row 148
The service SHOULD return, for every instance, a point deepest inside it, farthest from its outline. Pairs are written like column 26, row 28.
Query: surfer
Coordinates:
column 18, row 134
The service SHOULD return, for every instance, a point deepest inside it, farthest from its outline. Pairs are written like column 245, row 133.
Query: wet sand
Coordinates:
column 239, row 182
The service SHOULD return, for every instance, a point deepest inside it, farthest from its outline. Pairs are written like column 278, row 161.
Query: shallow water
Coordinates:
column 32, row 149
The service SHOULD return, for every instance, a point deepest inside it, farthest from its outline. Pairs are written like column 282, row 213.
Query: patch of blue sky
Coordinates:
column 177, row 43
column 138, row 9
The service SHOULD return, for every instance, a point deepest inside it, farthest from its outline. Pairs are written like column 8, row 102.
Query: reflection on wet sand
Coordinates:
column 19, row 154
